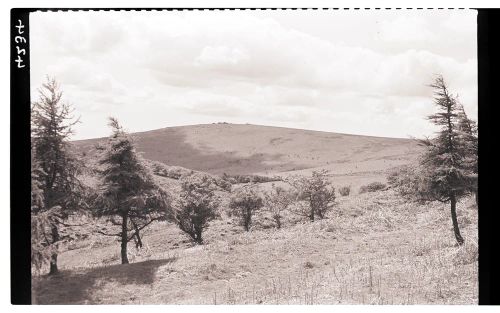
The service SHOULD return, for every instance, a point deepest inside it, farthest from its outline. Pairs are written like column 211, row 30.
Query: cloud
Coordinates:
column 361, row 74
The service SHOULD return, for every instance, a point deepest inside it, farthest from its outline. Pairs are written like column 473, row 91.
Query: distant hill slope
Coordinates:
column 247, row 149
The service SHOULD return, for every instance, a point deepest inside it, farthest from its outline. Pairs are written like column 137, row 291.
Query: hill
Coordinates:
column 372, row 248
column 253, row 149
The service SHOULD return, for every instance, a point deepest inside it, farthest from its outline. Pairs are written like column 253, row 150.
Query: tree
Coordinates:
column 468, row 133
column 196, row 206
column 129, row 196
column 316, row 192
column 51, row 128
column 444, row 172
column 277, row 200
column 40, row 252
column 244, row 202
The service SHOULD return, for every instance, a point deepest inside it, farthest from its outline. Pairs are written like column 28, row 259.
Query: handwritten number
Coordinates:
column 20, row 27
column 19, row 61
column 21, row 51
column 20, row 39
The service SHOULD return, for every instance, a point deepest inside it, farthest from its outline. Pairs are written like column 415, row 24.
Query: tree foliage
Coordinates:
column 316, row 194
column 447, row 170
column 196, row 206
column 128, row 196
column 245, row 202
column 56, row 167
column 277, row 201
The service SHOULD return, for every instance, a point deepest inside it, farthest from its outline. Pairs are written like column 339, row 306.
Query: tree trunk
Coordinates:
column 248, row 219
column 53, row 258
column 137, row 235
column 53, row 264
column 320, row 214
column 311, row 215
column 198, row 239
column 453, row 202
column 124, row 237
column 277, row 219
column 477, row 199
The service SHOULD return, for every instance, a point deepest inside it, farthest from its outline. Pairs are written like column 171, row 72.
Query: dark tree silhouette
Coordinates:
column 447, row 170
column 57, row 168
column 129, row 196
column 468, row 132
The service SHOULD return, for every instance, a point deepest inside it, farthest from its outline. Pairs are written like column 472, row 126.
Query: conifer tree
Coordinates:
column 444, row 165
column 129, row 196
column 56, row 174
column 468, row 132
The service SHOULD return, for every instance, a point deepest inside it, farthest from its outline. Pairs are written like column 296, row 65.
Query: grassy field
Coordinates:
column 372, row 249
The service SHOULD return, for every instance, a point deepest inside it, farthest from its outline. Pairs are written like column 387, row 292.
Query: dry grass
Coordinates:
column 373, row 249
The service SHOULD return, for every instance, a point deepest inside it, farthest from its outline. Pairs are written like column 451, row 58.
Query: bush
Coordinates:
column 372, row 187
column 246, row 179
column 406, row 181
column 196, row 206
column 345, row 191
column 277, row 200
column 244, row 202
column 177, row 172
column 316, row 195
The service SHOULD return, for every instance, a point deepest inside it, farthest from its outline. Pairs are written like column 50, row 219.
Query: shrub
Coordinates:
column 406, row 181
column 196, row 206
column 244, row 202
column 345, row 191
column 316, row 195
column 277, row 200
column 245, row 179
column 372, row 187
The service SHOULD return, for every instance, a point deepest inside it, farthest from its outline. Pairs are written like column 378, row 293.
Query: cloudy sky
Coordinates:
column 359, row 72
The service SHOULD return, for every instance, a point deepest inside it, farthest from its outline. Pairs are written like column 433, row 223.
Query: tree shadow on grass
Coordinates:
column 75, row 287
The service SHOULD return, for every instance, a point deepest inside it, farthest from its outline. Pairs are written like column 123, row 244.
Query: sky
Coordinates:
column 357, row 72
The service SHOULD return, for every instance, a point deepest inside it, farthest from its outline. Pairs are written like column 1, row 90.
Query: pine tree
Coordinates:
column 40, row 253
column 468, row 132
column 129, row 196
column 56, row 176
column 444, row 165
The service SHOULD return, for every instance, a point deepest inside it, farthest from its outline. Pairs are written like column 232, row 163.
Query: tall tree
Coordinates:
column 129, row 196
column 444, row 165
column 51, row 127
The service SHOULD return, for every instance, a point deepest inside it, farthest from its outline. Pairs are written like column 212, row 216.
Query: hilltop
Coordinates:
column 265, row 150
